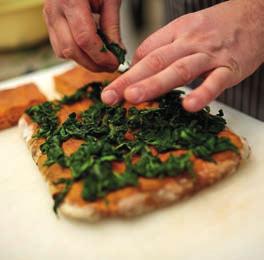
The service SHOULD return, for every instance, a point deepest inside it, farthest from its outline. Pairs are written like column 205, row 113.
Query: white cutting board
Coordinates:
column 224, row 222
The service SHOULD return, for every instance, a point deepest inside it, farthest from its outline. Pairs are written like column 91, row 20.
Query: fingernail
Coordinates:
column 134, row 94
column 110, row 97
column 192, row 104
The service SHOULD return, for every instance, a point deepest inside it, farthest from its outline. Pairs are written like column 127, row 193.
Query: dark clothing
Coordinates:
column 248, row 96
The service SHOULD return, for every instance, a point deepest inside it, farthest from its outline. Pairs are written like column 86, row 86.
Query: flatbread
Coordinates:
column 150, row 194
column 13, row 103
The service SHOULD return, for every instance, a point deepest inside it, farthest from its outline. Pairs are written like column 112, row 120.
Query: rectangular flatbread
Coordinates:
column 13, row 103
column 102, row 162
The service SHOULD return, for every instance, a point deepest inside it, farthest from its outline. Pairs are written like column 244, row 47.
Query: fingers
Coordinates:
column 81, row 33
column 68, row 49
column 54, row 42
column 156, row 40
column 150, row 65
column 84, row 31
column 110, row 20
column 49, row 13
column 177, row 74
column 217, row 81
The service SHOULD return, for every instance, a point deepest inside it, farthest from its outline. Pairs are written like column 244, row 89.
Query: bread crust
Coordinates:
column 13, row 103
column 150, row 194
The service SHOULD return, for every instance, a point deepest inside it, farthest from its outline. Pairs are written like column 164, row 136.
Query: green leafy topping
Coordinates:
column 171, row 127
column 101, row 180
column 91, row 90
column 103, row 130
column 211, row 146
column 45, row 116
column 119, row 52
column 150, row 166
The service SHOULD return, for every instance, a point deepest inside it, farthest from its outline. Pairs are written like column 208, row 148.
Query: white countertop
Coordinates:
column 223, row 222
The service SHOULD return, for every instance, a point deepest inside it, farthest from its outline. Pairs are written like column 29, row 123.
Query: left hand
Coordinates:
column 224, row 42
column 72, row 26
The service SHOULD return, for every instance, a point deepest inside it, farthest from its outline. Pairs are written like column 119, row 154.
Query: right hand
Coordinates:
column 220, row 44
column 73, row 31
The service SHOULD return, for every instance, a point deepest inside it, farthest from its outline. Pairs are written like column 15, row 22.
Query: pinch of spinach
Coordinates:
column 119, row 52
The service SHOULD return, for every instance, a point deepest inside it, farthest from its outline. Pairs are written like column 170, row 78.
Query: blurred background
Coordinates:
column 24, row 44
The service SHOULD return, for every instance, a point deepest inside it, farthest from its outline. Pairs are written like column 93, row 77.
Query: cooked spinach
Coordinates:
column 103, row 130
column 91, row 90
column 45, row 116
column 150, row 166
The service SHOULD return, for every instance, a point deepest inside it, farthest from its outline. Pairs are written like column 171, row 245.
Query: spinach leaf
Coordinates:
column 119, row 52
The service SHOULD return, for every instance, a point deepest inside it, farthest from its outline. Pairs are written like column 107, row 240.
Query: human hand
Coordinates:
column 223, row 43
column 73, row 31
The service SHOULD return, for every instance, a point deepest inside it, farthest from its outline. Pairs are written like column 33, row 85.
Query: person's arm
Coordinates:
column 224, row 44
column 73, row 31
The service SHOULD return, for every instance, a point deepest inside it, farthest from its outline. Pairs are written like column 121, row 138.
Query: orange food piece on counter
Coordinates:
column 13, row 103
column 71, row 80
